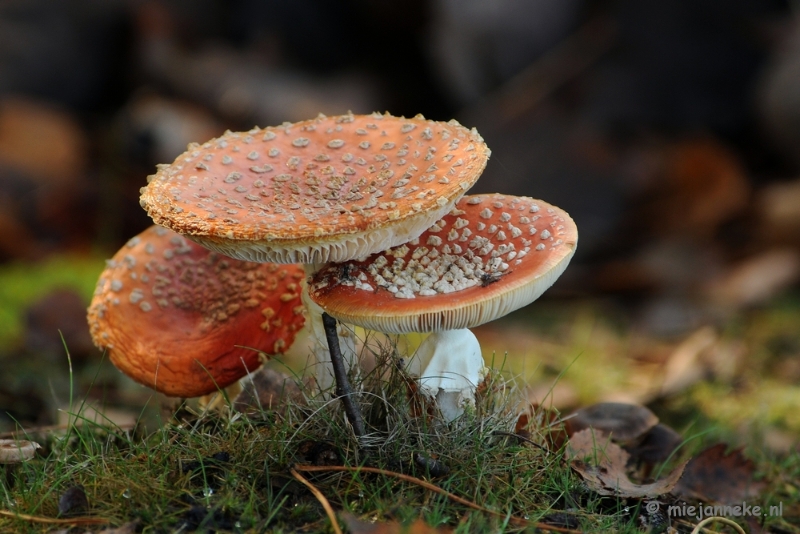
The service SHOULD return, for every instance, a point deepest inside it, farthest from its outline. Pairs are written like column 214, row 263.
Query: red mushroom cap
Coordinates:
column 327, row 189
column 174, row 315
column 488, row 257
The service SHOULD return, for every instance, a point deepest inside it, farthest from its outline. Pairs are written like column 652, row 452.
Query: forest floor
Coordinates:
column 115, row 457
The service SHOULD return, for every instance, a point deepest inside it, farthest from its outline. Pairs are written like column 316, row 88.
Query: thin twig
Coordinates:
column 322, row 500
column 717, row 519
column 51, row 521
column 435, row 489
column 343, row 388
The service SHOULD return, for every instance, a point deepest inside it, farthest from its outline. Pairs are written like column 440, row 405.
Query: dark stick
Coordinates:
column 343, row 388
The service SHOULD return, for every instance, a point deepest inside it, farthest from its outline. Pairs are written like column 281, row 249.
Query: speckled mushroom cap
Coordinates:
column 488, row 257
column 327, row 189
column 174, row 315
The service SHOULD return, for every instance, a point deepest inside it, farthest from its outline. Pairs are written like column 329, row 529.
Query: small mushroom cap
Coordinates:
column 327, row 189
column 657, row 444
column 16, row 451
column 624, row 422
column 177, row 317
column 488, row 257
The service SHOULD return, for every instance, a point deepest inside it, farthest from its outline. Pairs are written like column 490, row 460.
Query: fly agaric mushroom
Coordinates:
column 327, row 189
column 489, row 256
column 180, row 319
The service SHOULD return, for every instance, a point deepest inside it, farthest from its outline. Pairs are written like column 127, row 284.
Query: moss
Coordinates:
column 24, row 283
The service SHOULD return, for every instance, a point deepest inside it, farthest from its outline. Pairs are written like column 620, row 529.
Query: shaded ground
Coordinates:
column 735, row 383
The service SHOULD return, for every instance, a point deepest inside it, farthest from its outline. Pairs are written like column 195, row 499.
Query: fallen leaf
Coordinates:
column 757, row 279
column 716, row 477
column 26, row 126
column 779, row 210
column 605, row 473
column 684, row 367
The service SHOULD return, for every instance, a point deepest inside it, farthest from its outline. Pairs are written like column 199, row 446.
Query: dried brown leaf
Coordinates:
column 713, row 476
column 757, row 279
column 685, row 365
column 604, row 472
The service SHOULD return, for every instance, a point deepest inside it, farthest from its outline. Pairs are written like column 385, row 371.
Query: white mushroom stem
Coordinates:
column 450, row 367
column 323, row 369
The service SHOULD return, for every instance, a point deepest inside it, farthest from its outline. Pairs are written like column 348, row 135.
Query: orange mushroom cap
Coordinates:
column 327, row 189
column 174, row 316
column 488, row 257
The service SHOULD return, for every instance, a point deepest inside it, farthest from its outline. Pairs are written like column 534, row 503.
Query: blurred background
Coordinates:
column 670, row 131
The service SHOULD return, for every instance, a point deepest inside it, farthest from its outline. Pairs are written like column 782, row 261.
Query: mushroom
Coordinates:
column 452, row 381
column 625, row 423
column 330, row 189
column 181, row 319
column 12, row 454
column 489, row 256
column 656, row 445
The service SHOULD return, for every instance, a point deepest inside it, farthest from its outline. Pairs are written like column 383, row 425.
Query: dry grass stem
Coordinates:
column 431, row 487
column 716, row 519
column 322, row 500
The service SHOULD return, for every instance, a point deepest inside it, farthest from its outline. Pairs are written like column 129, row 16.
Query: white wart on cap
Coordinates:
column 327, row 189
column 488, row 257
